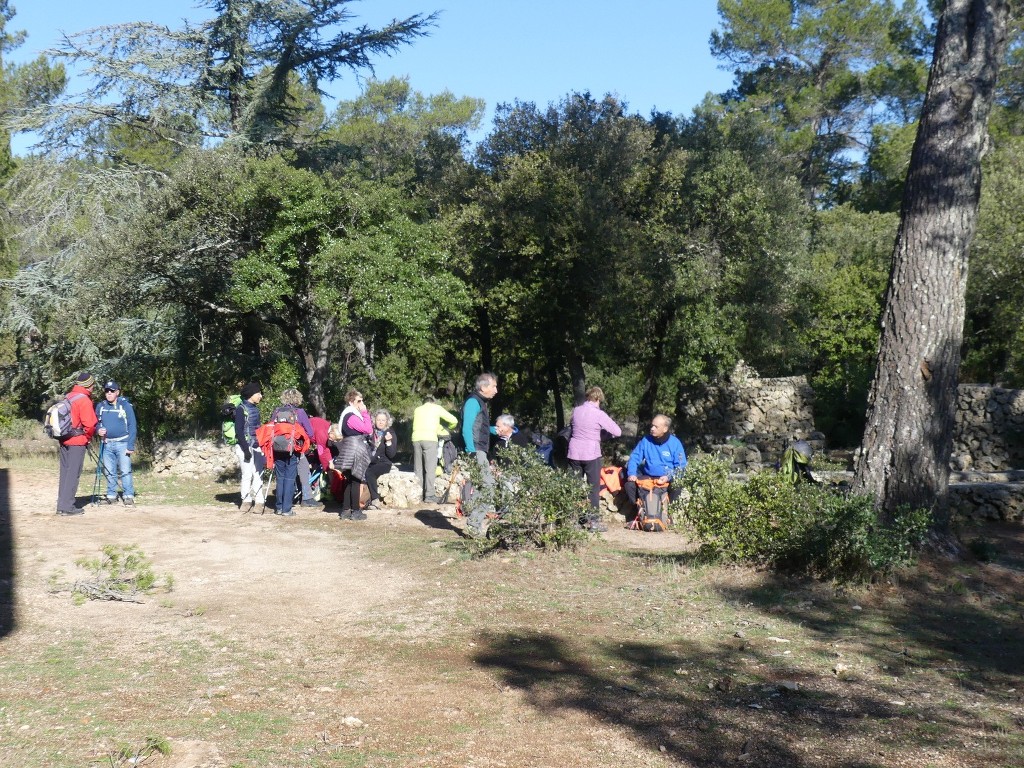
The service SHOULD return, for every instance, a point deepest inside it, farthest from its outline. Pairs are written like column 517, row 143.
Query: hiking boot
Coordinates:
column 70, row 512
column 430, row 500
column 345, row 514
column 282, row 513
column 129, row 501
column 278, row 512
column 356, row 514
column 310, row 503
column 110, row 500
column 374, row 504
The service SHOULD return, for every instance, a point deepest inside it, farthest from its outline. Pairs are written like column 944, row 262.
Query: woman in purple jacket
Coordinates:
column 588, row 423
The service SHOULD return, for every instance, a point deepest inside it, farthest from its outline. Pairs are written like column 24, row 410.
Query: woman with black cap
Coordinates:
column 250, row 458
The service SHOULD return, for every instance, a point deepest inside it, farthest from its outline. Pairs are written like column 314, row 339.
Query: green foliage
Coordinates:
column 120, row 573
column 538, row 507
column 769, row 521
column 251, row 72
column 839, row 314
column 994, row 326
column 130, row 755
column 824, row 71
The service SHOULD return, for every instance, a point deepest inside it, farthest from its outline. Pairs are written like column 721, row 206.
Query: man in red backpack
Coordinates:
column 73, row 447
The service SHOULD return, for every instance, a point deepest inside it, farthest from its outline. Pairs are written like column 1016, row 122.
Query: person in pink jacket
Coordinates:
column 589, row 422
column 354, row 454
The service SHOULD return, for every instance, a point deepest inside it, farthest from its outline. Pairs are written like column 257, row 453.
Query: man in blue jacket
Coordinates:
column 117, row 430
column 659, row 455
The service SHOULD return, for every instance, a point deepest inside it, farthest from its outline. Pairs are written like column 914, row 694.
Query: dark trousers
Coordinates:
column 592, row 471
column 286, row 467
column 72, row 458
column 373, row 472
column 350, row 496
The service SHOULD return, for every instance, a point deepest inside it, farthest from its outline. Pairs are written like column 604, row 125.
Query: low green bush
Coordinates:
column 803, row 528
column 536, row 506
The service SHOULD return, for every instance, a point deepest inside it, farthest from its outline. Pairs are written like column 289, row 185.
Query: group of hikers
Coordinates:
column 360, row 447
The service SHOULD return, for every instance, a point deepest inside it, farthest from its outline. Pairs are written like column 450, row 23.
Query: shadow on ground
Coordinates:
column 681, row 699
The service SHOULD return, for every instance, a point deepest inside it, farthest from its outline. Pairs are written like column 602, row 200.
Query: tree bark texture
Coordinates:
column 908, row 435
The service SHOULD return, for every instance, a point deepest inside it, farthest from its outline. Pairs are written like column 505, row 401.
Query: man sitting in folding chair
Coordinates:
column 657, row 460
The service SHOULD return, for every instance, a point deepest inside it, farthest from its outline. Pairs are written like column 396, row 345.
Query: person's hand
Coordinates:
column 247, row 455
column 663, row 479
column 102, row 431
column 631, row 479
column 130, row 451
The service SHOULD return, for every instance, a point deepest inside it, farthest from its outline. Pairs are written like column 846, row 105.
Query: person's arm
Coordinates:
column 303, row 418
column 469, row 414
column 680, row 458
column 129, row 413
column 243, row 443
column 608, row 425
column 361, row 423
column 446, row 417
column 87, row 415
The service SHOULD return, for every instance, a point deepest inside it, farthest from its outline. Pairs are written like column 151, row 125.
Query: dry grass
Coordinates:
column 311, row 642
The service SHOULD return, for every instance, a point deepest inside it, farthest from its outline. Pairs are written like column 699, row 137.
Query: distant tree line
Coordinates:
column 196, row 218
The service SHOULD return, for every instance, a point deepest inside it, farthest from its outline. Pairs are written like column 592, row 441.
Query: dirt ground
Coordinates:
column 313, row 641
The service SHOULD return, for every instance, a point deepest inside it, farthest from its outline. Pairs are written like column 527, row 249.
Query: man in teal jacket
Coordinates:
column 659, row 455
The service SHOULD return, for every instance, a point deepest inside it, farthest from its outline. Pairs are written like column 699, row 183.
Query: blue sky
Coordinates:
column 650, row 53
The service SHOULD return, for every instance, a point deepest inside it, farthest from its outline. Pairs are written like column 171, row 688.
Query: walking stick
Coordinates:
column 99, row 477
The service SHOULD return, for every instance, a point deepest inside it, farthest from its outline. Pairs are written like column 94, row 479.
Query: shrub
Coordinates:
column 120, row 573
column 804, row 528
column 537, row 506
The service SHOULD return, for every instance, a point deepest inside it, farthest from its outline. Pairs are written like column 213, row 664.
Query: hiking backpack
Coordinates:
column 59, row 423
column 227, row 416
column 652, row 506
column 284, row 437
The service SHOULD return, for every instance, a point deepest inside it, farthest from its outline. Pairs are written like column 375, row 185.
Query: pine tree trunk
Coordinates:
column 908, row 436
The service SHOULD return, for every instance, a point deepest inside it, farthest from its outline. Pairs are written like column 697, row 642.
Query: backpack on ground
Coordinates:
column 59, row 422
column 652, row 506
column 227, row 417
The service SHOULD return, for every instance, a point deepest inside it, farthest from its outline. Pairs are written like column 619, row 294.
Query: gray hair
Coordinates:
column 484, row 379
column 384, row 411
column 292, row 396
column 506, row 420
column 668, row 420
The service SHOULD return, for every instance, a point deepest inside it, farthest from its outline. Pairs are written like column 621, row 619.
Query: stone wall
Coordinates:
column 195, row 458
column 749, row 418
column 988, row 435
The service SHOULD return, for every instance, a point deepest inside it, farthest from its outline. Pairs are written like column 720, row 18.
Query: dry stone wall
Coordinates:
column 195, row 458
column 988, row 435
column 750, row 419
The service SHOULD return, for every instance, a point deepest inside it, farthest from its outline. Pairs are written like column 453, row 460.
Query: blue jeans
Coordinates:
column 117, row 465
column 285, row 470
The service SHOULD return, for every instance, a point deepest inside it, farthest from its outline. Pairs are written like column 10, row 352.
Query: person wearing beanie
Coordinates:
column 250, row 457
column 117, row 430
column 73, row 447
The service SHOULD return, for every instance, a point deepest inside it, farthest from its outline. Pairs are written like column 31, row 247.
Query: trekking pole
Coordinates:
column 451, row 482
column 100, row 474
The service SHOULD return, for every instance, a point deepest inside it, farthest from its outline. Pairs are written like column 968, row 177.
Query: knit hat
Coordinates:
column 85, row 380
column 251, row 389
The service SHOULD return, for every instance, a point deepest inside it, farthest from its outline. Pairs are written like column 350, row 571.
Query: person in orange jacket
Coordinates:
column 72, row 448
